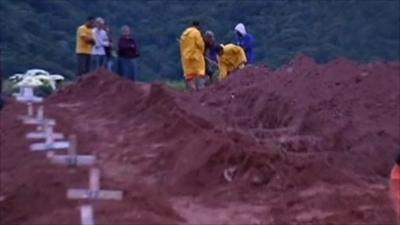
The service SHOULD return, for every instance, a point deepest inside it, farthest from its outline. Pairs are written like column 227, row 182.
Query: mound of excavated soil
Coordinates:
column 342, row 106
column 304, row 143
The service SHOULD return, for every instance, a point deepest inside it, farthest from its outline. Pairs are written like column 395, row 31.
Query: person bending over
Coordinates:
column 230, row 58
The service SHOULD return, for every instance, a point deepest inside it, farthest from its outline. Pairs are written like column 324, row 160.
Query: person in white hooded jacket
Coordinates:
column 101, row 41
column 246, row 41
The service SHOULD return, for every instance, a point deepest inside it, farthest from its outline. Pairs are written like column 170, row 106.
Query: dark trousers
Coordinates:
column 98, row 61
column 83, row 63
column 110, row 61
column 126, row 68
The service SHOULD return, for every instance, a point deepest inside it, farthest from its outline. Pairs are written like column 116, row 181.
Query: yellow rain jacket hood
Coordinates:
column 192, row 53
column 232, row 58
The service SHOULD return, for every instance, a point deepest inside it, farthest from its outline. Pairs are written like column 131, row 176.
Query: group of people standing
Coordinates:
column 201, row 54
column 95, row 49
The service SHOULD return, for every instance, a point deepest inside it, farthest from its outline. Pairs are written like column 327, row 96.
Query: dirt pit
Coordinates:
column 304, row 144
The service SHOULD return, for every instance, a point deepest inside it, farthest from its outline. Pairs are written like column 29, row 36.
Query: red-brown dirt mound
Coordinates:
column 305, row 143
column 342, row 106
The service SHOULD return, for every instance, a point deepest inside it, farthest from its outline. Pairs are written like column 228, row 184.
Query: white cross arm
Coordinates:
column 88, row 194
column 39, row 135
column 36, row 121
column 78, row 160
column 52, row 146
column 29, row 99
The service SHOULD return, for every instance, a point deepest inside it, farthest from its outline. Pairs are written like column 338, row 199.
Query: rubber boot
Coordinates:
column 191, row 84
column 200, row 83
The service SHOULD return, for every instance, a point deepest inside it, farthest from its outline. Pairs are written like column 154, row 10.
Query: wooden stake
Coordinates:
column 94, row 179
column 87, row 215
column 30, row 109
column 72, row 148
column 40, row 112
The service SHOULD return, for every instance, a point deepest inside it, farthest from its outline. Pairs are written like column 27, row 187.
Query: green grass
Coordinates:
column 7, row 88
column 178, row 85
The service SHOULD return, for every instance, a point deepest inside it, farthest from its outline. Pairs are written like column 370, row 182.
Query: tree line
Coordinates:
column 41, row 34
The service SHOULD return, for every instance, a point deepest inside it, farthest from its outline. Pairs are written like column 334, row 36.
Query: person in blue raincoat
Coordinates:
column 246, row 41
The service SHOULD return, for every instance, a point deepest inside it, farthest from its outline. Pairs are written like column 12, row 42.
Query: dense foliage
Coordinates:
column 41, row 33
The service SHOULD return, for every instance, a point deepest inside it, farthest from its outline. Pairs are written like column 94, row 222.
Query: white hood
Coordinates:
column 240, row 28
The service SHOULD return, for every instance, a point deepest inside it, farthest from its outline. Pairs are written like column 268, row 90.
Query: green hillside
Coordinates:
column 41, row 33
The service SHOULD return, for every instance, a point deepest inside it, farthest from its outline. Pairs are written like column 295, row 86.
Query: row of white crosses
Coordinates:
column 54, row 142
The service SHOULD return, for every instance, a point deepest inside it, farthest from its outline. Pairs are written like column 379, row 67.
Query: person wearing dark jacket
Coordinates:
column 128, row 51
column 211, row 54
column 109, row 50
column 246, row 41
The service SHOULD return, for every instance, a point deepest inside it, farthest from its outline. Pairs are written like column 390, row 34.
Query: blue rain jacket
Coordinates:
column 247, row 43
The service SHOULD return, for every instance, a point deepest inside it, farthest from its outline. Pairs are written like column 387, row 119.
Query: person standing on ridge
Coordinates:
column 246, row 41
column 211, row 54
column 101, row 42
column 192, row 48
column 230, row 57
column 109, row 51
column 84, row 45
column 128, row 51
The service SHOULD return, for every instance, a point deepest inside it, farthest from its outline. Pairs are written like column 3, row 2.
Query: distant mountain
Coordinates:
column 41, row 33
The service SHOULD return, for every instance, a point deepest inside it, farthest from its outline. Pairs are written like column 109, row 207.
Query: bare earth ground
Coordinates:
column 309, row 144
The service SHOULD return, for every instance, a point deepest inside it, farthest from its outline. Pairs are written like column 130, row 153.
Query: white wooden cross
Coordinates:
column 94, row 192
column 46, row 132
column 72, row 159
column 87, row 215
column 26, row 95
column 50, row 144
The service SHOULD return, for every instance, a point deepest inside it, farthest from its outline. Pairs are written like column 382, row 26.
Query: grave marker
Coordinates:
column 72, row 159
column 26, row 95
column 94, row 192
column 46, row 134
column 49, row 143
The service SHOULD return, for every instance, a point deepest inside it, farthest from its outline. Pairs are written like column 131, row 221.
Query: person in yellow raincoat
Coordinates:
column 192, row 48
column 230, row 58
column 395, row 187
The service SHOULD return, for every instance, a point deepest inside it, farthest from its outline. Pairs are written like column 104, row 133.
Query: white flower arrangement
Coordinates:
column 36, row 78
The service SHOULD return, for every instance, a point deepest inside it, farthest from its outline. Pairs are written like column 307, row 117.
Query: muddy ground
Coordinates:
column 304, row 144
